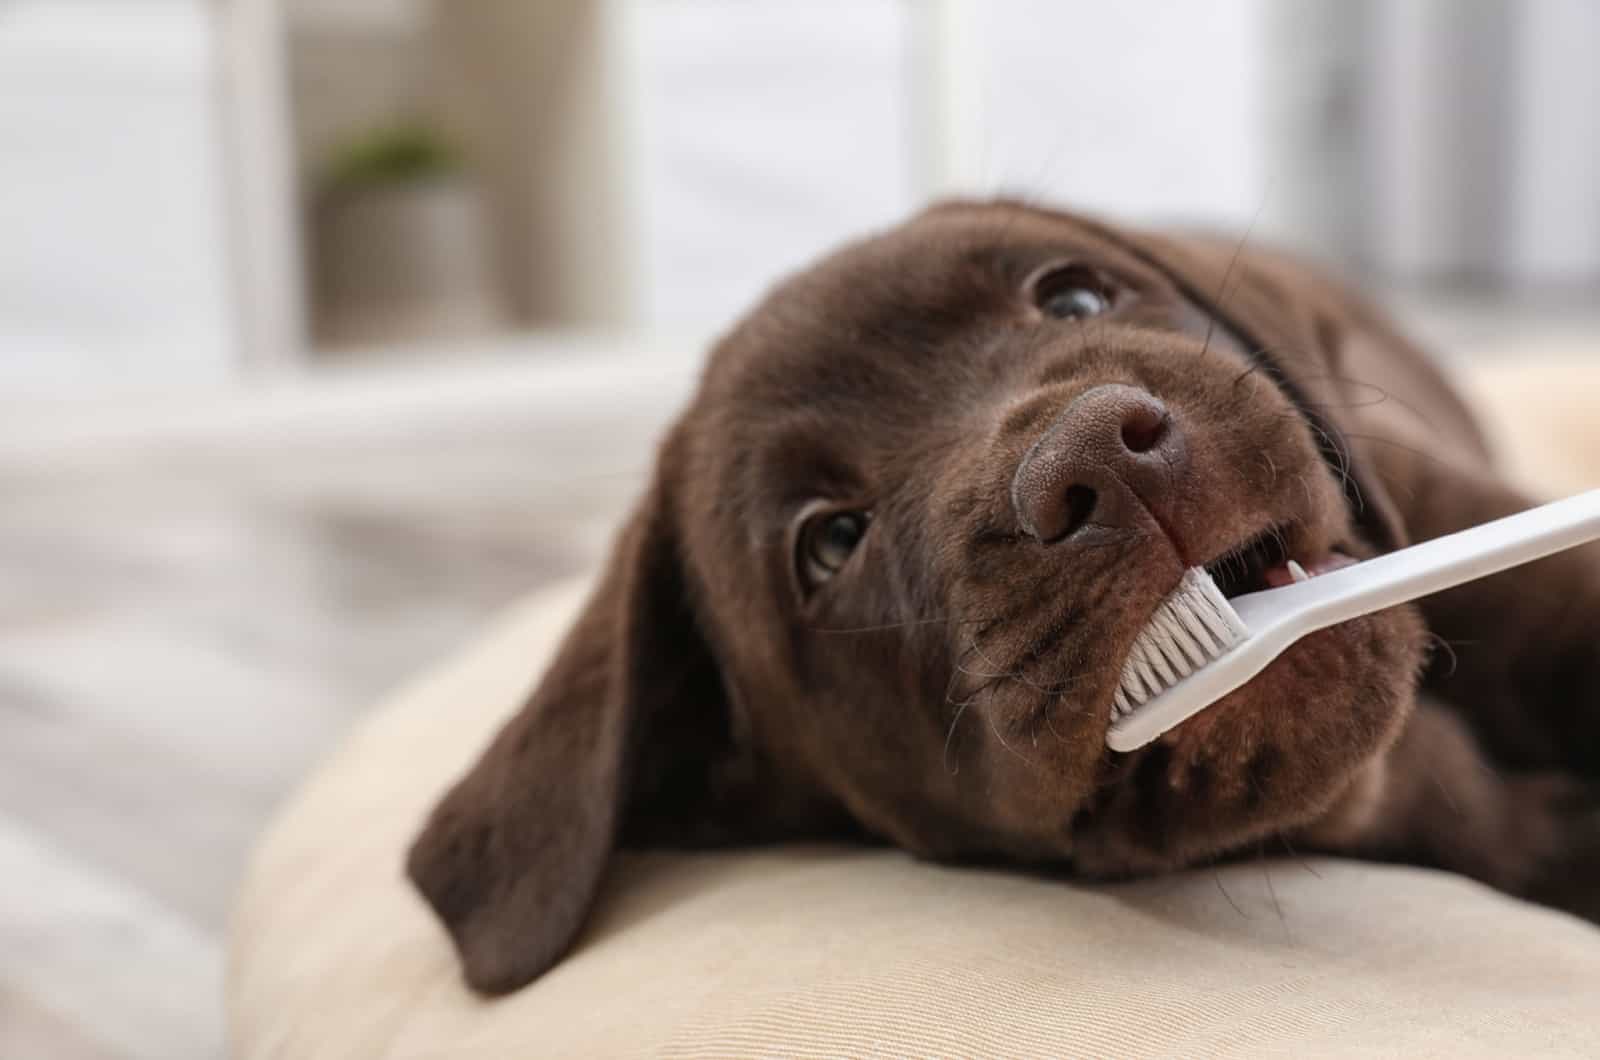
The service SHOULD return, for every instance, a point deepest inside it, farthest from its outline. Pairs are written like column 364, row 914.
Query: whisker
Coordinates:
column 1278, row 538
column 1384, row 395
column 1449, row 650
column 1272, row 469
column 1444, row 790
column 1304, row 864
column 1047, row 715
column 1266, row 874
column 1305, row 486
column 1421, row 454
column 953, row 767
column 1216, row 878
column 957, row 671
column 906, row 624
column 1011, row 673
column 996, row 730
column 1339, row 458
column 1227, row 273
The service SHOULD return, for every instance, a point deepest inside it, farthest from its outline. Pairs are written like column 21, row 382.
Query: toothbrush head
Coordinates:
column 1192, row 626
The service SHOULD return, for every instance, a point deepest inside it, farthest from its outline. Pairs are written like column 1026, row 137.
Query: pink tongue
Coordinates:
column 1280, row 576
column 1331, row 562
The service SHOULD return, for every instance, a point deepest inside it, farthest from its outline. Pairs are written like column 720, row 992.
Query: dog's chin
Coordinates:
column 1330, row 696
column 1314, row 669
column 1266, row 759
column 1274, row 754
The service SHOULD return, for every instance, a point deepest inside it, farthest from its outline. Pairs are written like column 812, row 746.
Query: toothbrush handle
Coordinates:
column 1450, row 560
column 1278, row 617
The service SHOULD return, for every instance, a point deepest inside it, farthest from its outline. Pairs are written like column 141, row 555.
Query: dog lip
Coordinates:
column 1174, row 538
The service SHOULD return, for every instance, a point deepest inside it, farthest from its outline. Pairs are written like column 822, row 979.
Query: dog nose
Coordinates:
column 1110, row 456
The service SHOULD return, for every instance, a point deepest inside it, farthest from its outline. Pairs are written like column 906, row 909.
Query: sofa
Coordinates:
column 849, row 951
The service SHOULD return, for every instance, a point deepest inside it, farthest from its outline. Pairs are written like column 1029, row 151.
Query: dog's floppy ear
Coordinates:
column 632, row 710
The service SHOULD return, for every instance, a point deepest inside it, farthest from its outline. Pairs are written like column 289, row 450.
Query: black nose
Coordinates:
column 1110, row 459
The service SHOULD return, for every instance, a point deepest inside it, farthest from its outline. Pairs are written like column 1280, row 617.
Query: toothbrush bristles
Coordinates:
column 1192, row 626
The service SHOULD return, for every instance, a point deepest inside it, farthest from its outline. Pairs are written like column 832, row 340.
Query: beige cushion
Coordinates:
column 825, row 952
column 1543, row 408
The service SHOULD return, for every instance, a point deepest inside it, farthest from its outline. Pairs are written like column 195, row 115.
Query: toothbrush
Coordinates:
column 1199, row 646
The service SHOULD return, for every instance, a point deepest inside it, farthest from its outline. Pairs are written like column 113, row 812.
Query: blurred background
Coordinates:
column 328, row 327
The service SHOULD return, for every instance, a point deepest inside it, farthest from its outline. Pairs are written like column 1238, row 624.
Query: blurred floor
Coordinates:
column 192, row 609
column 185, row 626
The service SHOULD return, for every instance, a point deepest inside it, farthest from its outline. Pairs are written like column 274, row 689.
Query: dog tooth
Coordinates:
column 1297, row 572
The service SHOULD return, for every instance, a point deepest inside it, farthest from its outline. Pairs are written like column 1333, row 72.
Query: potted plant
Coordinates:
column 400, row 243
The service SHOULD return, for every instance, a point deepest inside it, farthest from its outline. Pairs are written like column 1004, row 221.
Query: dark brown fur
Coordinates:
column 949, row 689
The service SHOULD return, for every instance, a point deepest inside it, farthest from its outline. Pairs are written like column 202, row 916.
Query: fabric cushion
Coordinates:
column 830, row 951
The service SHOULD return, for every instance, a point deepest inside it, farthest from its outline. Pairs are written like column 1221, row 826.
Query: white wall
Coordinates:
column 1554, row 214
column 767, row 132
column 771, row 131
column 355, row 66
column 113, row 259
column 1483, row 141
column 659, row 163
column 1139, row 108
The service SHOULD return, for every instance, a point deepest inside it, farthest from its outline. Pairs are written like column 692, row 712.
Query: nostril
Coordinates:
column 1143, row 429
column 1114, row 455
column 1080, row 505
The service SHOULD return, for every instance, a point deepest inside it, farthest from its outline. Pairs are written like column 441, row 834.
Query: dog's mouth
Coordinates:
column 1267, row 561
column 1191, row 627
column 1247, row 567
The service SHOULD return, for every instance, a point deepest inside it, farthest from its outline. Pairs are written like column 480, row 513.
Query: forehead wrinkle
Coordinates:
column 806, row 454
column 795, row 458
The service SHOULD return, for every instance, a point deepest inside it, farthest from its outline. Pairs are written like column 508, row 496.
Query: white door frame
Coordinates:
column 258, row 139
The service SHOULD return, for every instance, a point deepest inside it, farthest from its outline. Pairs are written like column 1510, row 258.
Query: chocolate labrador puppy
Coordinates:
column 896, row 549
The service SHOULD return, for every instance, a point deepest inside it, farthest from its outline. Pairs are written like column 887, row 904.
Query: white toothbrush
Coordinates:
column 1200, row 646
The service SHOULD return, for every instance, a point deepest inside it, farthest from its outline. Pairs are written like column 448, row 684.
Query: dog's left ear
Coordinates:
column 628, row 732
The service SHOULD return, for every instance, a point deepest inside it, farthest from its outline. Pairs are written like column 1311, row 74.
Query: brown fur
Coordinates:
column 948, row 690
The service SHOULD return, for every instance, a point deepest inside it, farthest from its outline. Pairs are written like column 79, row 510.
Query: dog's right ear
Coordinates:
column 632, row 710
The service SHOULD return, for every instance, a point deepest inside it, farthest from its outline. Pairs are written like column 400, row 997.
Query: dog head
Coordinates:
column 894, row 555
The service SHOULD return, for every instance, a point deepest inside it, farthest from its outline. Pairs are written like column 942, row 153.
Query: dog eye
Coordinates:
column 826, row 542
column 1070, row 292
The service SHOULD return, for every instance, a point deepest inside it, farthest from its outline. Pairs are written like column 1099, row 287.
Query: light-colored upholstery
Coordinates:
column 839, row 951
column 1543, row 409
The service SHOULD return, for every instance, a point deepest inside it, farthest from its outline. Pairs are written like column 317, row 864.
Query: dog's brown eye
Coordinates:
column 826, row 542
column 1070, row 292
